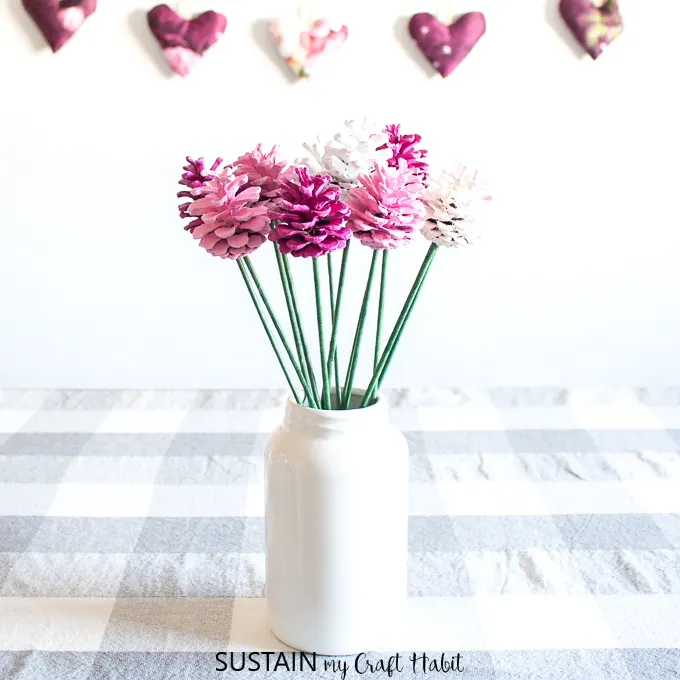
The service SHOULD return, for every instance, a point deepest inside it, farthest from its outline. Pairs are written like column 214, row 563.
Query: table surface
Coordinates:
column 544, row 532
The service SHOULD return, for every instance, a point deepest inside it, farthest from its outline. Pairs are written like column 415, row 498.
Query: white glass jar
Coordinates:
column 337, row 529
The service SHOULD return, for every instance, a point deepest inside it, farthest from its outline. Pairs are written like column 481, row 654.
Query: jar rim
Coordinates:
column 300, row 412
column 378, row 399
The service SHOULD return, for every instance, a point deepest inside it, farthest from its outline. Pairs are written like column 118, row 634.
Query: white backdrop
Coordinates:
column 577, row 284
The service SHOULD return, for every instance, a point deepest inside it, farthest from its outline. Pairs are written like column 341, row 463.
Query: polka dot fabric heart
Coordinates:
column 444, row 46
column 58, row 20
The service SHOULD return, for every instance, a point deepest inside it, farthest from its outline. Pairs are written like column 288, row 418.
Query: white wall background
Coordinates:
column 578, row 284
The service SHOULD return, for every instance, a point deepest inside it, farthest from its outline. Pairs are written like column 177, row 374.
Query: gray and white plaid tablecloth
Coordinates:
column 544, row 532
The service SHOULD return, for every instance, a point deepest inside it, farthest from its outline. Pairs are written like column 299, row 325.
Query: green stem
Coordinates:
column 393, row 341
column 296, row 331
column 301, row 331
column 326, row 389
column 331, row 292
column 381, row 309
column 356, row 346
column 333, row 351
column 268, row 331
column 276, row 323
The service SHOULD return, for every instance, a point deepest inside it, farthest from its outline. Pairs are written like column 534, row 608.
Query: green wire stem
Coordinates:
column 331, row 294
column 276, row 323
column 270, row 335
column 303, row 340
column 333, row 350
column 395, row 337
column 381, row 309
column 326, row 388
column 296, row 331
column 356, row 346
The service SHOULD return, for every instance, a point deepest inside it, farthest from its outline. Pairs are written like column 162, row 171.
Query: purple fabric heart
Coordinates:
column 184, row 41
column 58, row 20
column 594, row 23
column 446, row 46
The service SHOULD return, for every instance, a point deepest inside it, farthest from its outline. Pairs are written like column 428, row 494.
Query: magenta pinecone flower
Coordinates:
column 386, row 206
column 232, row 220
column 264, row 170
column 404, row 148
column 195, row 177
column 313, row 219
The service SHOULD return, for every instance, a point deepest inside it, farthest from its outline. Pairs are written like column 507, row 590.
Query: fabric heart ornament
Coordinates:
column 594, row 23
column 302, row 44
column 185, row 41
column 58, row 20
column 446, row 46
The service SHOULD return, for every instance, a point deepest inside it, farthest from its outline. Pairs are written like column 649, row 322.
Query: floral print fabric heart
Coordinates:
column 446, row 46
column 185, row 41
column 58, row 20
column 302, row 44
column 594, row 23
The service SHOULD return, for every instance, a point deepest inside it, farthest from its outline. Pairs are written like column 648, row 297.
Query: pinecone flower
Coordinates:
column 455, row 204
column 312, row 218
column 386, row 208
column 263, row 170
column 351, row 153
column 403, row 147
column 233, row 221
column 195, row 177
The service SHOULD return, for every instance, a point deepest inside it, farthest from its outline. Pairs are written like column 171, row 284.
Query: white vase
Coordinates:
column 337, row 529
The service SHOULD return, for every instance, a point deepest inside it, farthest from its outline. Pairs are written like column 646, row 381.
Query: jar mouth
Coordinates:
column 354, row 415
column 354, row 403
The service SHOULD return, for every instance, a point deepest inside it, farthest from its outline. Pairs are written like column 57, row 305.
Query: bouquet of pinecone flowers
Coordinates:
column 368, row 184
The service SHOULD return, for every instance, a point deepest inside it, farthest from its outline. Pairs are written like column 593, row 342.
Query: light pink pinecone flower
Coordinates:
column 386, row 206
column 234, row 222
column 264, row 170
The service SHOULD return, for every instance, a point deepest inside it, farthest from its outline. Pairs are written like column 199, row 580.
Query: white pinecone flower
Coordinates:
column 455, row 203
column 352, row 152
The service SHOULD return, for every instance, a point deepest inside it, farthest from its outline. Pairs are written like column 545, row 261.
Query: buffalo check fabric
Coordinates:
column 544, row 532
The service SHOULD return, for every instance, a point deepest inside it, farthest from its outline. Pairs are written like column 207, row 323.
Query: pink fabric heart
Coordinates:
column 446, row 46
column 303, row 44
column 184, row 41
column 594, row 23
column 58, row 20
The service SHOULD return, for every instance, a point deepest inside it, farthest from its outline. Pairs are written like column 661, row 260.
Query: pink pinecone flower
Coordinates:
column 264, row 170
column 312, row 220
column 405, row 147
column 195, row 177
column 386, row 206
column 234, row 222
